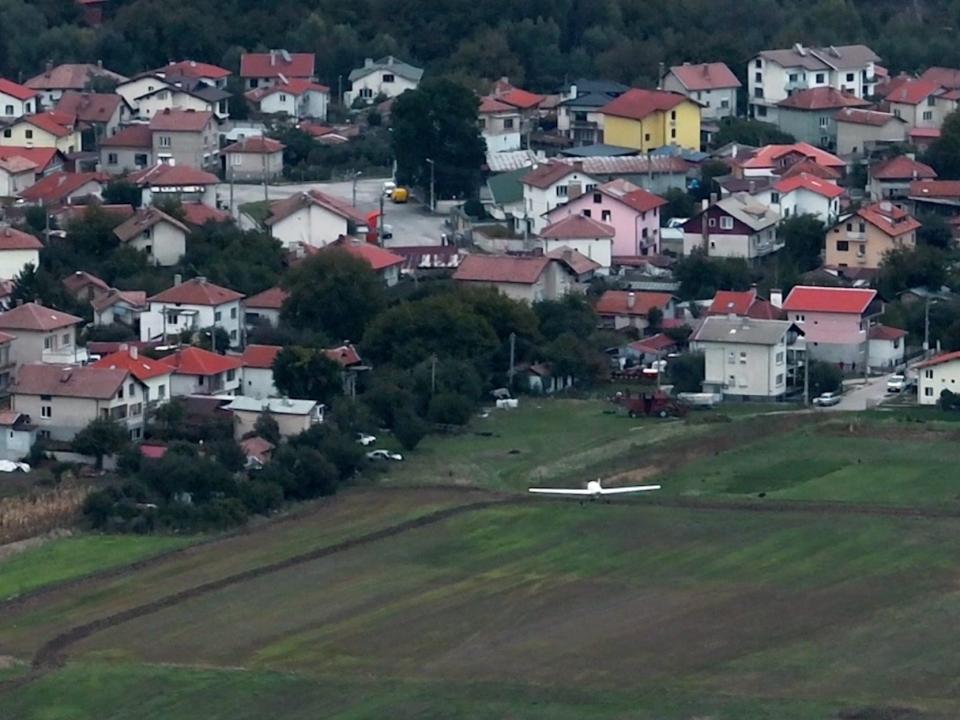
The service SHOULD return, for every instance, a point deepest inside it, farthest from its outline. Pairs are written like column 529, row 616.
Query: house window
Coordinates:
column 646, row 137
column 761, row 109
column 165, row 141
column 725, row 104
column 120, row 393
column 780, row 379
column 48, row 342
column 366, row 93
column 605, row 215
column 217, row 316
column 731, row 358
column 588, row 213
column 928, row 392
column 842, row 246
column 172, row 318
column 231, row 374
column 758, row 63
column 927, row 115
column 45, row 434
column 861, row 250
column 508, row 123
column 726, row 223
column 66, row 339
column 794, row 77
column 711, row 222
column 673, row 114
column 8, row 110
column 931, row 101
column 780, row 358
column 824, row 121
column 597, row 197
column 8, row 133
column 673, row 133
column 743, row 358
column 46, row 411
column 200, row 380
column 233, row 313
column 29, row 134
column 140, row 160
column 820, row 77
column 136, row 409
column 283, row 97
column 758, row 77
column 132, row 389
column 388, row 77
column 161, row 391
column 112, row 159
column 850, row 77
column 775, row 198
column 148, row 249
column 928, row 374
column 758, row 93
column 801, row 318
column 561, row 190
column 590, row 187
column 863, row 228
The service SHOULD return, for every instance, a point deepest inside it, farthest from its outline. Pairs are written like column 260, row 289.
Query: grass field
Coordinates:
column 537, row 610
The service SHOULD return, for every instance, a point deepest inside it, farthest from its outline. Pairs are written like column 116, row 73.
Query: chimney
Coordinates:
column 65, row 374
column 912, row 156
column 776, row 297
column 201, row 278
column 273, row 58
column 100, row 64
column 368, row 62
column 49, row 69
column 713, row 198
column 752, row 187
column 177, row 279
column 134, row 352
column 578, row 165
column 885, row 206
column 567, row 254
column 661, row 71
column 631, row 300
column 704, row 204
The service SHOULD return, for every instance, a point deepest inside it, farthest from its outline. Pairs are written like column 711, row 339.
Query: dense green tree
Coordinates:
column 267, row 427
column 751, row 132
column 803, row 237
column 100, row 437
column 438, row 122
column 686, row 372
column 700, row 276
column 571, row 314
column 121, row 192
column 450, row 409
column 904, row 268
column 935, row 231
column 944, row 153
column 573, row 356
column 824, row 377
column 306, row 373
column 409, row 428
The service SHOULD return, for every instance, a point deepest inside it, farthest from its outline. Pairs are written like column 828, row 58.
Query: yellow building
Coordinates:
column 648, row 119
column 862, row 239
column 42, row 131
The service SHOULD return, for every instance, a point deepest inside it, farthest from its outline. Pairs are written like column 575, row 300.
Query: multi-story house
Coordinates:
column 499, row 125
column 199, row 372
column 591, row 238
column 736, row 226
column 264, row 307
column 915, row 101
column 192, row 306
column 524, row 278
column 42, row 335
column 547, row 186
column 313, row 219
column 862, row 239
column 154, row 375
column 618, row 309
column 803, row 194
column 254, row 159
column 161, row 237
column 649, row 119
column 835, row 322
column 180, row 183
column 299, row 99
column 773, row 75
column 890, row 179
column 712, row 85
column 131, row 149
column 53, row 82
column 633, row 212
column 936, row 375
column 861, row 131
column 387, row 76
column 17, row 250
column 257, row 363
column 808, row 115
column 62, row 400
column 99, row 114
column 45, row 130
column 185, row 138
column 744, row 357
column 578, row 114
column 16, row 100
column 212, row 75
column 276, row 66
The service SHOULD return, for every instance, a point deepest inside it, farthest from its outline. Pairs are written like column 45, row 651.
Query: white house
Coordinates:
column 201, row 372
column 16, row 175
column 736, row 226
column 257, row 366
column 295, row 98
column 17, row 250
column 314, row 219
column 16, row 100
column 293, row 416
column 499, row 125
column 264, row 307
column 150, row 230
column 119, row 306
column 43, row 335
column 387, row 76
column 17, row 435
column 936, row 375
column 591, row 238
column 803, row 194
column 773, row 74
column 712, row 85
column 886, row 347
column 548, row 186
column 744, row 357
column 154, row 375
column 192, row 305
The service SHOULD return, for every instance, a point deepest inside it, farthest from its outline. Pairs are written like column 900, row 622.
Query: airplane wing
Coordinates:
column 559, row 491
column 631, row 489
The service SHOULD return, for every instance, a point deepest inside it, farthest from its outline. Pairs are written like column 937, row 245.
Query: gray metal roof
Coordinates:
column 397, row 67
column 741, row 331
column 749, row 211
column 599, row 150
column 835, row 56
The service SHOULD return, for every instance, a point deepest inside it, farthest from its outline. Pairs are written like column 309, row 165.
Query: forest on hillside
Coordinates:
column 537, row 43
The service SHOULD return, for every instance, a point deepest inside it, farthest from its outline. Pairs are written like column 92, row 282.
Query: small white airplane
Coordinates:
column 594, row 491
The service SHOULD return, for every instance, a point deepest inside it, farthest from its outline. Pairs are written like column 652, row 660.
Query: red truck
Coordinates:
column 656, row 404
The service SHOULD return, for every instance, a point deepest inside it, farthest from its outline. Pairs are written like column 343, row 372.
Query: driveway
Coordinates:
column 412, row 223
column 861, row 396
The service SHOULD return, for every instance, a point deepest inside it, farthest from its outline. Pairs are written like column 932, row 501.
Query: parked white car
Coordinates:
column 827, row 399
column 384, row 455
column 896, row 383
column 365, row 439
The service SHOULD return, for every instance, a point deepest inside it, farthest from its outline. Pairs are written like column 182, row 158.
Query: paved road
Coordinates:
column 412, row 224
column 860, row 396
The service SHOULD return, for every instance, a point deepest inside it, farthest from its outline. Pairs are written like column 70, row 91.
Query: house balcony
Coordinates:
column 796, row 85
column 73, row 355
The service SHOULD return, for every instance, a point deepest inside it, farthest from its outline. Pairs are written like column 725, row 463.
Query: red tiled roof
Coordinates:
column 809, row 167
column 807, row 182
column 172, row 175
column 33, row 316
column 260, row 356
column 141, row 367
column 42, row 157
column 912, row 92
column 806, row 298
column 57, row 186
column 195, row 361
column 153, row 452
column 13, row 239
column 197, row 291
column 69, row 381
column 902, row 168
column 857, row 116
column 631, row 195
column 943, row 189
column 20, row 92
column 257, row 448
column 737, row 302
column 705, row 76
column 79, row 279
column 636, row 104
column 143, row 219
column 575, row 260
column 501, row 269
column 344, row 355
column 270, row 299
column 133, row 298
column 546, row 175
column 521, row 98
column 925, row 132
column 885, row 332
column 200, row 214
column 293, row 86
column 70, row 76
column 940, row 359
column 618, row 302
column 574, row 227
column 288, row 206
column 194, row 70
column 177, row 120
column 493, row 105
column 889, row 218
column 653, row 344
column 17, row 165
column 377, row 257
column 821, row 98
column 272, row 64
column 132, row 136
column 255, row 145
column 942, row 76
column 767, row 156
column 89, row 107
column 48, row 122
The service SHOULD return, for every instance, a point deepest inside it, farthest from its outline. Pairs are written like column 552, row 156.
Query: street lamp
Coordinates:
column 356, row 175
column 432, row 166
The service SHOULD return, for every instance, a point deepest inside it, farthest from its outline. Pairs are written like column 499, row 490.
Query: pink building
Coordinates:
column 633, row 213
column 834, row 321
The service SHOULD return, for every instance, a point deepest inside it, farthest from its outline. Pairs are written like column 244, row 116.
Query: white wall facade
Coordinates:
column 258, row 383
column 934, row 380
column 171, row 318
column 12, row 108
column 311, row 225
column 744, row 370
column 369, row 86
column 600, row 250
column 164, row 244
column 13, row 261
column 539, row 201
column 225, row 383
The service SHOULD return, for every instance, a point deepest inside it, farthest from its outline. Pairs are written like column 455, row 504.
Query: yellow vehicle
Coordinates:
column 400, row 195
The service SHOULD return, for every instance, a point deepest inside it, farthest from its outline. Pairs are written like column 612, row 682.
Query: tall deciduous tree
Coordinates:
column 307, row 373
column 438, row 122
column 101, row 437
column 944, row 153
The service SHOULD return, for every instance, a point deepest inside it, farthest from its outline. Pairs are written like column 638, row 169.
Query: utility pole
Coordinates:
column 926, row 327
column 433, row 206
column 266, row 188
column 356, row 174
column 433, row 374
column 340, row 90
column 232, row 213
column 513, row 355
column 806, row 375
column 380, row 223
